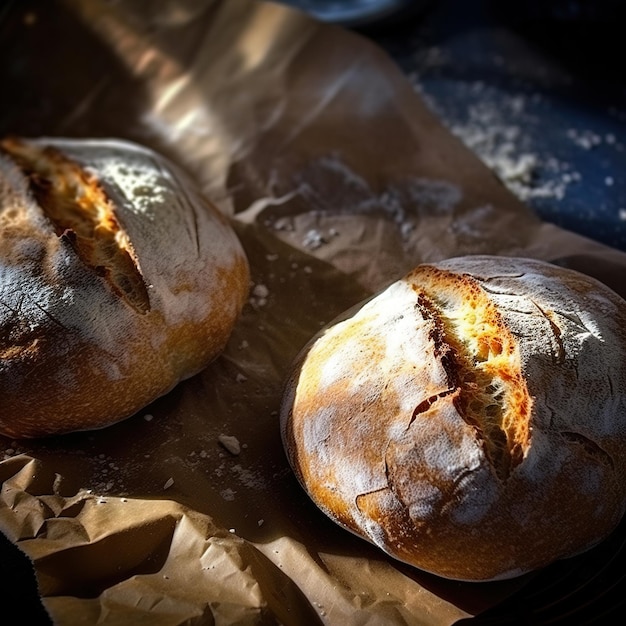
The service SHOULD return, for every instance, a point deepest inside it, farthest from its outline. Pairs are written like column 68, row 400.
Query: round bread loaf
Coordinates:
column 117, row 281
column 470, row 419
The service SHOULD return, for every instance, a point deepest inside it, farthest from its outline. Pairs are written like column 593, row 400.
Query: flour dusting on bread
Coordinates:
column 118, row 279
column 470, row 419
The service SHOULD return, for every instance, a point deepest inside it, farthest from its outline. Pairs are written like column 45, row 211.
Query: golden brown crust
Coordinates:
column 470, row 419
column 117, row 280
column 80, row 212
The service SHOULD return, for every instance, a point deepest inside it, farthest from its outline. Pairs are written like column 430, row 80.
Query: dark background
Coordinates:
column 536, row 88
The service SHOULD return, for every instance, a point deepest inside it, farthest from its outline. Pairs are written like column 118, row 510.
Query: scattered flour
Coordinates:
column 494, row 127
column 494, row 131
column 330, row 177
column 248, row 478
column 585, row 139
column 228, row 494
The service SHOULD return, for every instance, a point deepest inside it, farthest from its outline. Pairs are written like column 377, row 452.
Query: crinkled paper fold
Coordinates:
column 338, row 180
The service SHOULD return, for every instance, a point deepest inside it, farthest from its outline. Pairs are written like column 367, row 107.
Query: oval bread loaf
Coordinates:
column 117, row 280
column 470, row 419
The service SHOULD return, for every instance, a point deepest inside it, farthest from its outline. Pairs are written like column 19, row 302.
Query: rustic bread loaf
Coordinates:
column 117, row 280
column 470, row 419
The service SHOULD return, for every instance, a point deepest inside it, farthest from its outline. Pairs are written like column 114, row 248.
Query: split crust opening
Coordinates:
column 481, row 360
column 82, row 214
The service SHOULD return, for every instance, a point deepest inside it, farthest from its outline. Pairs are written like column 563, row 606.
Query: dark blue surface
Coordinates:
column 538, row 86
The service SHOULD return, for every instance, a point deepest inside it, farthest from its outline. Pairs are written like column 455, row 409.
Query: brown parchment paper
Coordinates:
column 338, row 180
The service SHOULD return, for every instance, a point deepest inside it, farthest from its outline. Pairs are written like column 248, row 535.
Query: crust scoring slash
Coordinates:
column 83, row 216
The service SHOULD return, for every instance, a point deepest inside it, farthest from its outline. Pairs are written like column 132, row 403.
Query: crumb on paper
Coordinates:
column 12, row 450
column 283, row 223
column 230, row 443
column 261, row 291
column 314, row 239
column 259, row 295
